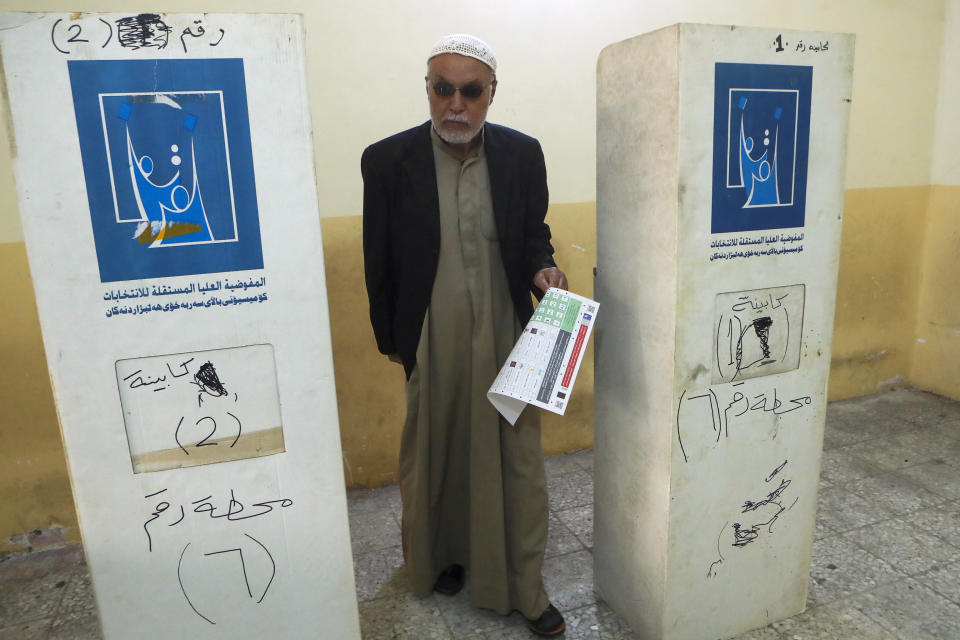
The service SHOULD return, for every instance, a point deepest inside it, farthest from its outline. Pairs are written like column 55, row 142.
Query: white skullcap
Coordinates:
column 465, row 45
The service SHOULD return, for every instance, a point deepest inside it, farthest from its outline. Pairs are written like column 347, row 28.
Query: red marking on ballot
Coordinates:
column 574, row 356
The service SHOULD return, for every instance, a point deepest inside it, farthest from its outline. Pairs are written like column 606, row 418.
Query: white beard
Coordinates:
column 455, row 137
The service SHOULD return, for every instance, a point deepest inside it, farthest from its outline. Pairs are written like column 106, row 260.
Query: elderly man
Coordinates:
column 454, row 241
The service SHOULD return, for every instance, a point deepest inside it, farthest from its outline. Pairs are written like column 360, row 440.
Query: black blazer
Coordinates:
column 401, row 227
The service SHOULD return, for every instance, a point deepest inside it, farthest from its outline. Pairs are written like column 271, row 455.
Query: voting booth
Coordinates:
column 166, row 185
column 720, row 175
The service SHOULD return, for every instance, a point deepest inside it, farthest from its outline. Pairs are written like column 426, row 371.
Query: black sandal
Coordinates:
column 450, row 582
column 550, row 623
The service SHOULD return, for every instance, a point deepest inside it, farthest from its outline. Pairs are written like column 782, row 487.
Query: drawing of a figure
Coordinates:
column 744, row 536
column 759, row 176
column 761, row 328
column 167, row 208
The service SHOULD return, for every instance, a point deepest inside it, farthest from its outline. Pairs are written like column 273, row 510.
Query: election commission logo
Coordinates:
column 167, row 162
column 761, row 138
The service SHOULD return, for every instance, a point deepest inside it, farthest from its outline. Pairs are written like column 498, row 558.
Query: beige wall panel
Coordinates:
column 874, row 338
column 877, row 291
column 370, row 396
column 575, row 240
column 877, row 299
column 34, row 486
column 936, row 352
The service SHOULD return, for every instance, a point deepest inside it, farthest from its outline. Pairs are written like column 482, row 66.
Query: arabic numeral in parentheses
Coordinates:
column 204, row 443
column 76, row 30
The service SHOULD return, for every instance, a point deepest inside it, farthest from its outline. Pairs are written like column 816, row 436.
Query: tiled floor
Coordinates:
column 886, row 561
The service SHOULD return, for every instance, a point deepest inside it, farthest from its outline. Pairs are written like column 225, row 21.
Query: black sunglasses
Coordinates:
column 470, row 91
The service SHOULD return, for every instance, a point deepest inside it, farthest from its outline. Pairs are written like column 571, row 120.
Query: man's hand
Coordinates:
column 550, row 277
column 395, row 357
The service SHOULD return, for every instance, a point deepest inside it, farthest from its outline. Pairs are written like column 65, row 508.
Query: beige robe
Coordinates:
column 473, row 487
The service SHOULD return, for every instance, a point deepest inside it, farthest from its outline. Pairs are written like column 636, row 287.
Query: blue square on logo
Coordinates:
column 165, row 146
column 761, row 139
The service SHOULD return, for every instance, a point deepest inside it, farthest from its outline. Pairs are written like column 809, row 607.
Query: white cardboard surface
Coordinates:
column 713, row 459
column 250, row 548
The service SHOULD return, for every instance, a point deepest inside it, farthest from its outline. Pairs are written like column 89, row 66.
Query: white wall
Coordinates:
column 946, row 159
column 366, row 64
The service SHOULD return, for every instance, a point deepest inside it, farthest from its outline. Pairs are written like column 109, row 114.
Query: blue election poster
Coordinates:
column 168, row 166
column 761, row 137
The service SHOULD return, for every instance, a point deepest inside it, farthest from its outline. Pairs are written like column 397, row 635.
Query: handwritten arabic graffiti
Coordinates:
column 767, row 510
column 760, row 142
column 251, row 560
column 757, row 332
column 136, row 380
column 167, row 161
column 772, row 506
column 235, row 510
column 207, row 421
column 196, row 30
column 771, row 499
column 142, row 31
column 252, row 563
column 208, row 384
column 704, row 418
column 182, row 410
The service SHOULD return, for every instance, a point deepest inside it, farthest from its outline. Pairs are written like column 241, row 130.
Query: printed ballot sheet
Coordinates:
column 543, row 365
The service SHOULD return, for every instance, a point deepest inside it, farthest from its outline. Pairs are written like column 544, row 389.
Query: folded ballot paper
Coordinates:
column 543, row 365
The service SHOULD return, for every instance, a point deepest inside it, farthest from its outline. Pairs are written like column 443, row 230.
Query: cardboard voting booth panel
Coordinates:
column 720, row 162
column 165, row 177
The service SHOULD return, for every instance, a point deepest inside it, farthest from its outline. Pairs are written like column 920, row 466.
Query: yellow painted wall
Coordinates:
column 34, row 486
column 877, row 325
column 877, row 289
column 936, row 362
column 936, row 349
column 880, row 269
column 900, row 251
column 894, row 239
